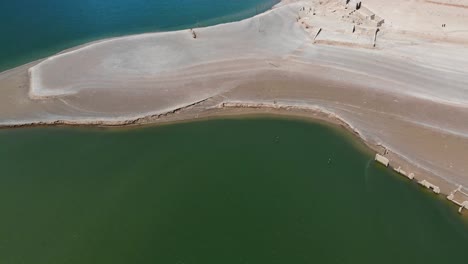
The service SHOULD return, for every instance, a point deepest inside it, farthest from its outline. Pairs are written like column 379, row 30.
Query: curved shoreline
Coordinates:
column 85, row 37
column 246, row 109
column 393, row 96
column 310, row 168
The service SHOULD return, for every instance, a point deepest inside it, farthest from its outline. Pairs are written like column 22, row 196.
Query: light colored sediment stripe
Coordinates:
column 408, row 94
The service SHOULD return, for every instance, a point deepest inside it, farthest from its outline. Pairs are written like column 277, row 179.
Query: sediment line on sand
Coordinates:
column 405, row 91
column 276, row 108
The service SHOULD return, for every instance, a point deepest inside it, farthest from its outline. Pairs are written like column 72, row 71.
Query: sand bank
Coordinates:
column 389, row 82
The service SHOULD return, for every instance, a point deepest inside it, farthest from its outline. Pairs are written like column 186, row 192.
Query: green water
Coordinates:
column 221, row 191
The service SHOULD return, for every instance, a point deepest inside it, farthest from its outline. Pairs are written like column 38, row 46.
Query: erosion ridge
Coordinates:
column 402, row 83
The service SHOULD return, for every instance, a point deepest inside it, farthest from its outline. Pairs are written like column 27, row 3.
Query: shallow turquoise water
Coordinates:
column 32, row 29
column 220, row 191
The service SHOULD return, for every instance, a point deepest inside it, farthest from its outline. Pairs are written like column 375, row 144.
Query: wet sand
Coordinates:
column 408, row 94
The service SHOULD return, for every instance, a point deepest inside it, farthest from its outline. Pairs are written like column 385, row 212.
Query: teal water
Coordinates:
column 32, row 29
column 220, row 191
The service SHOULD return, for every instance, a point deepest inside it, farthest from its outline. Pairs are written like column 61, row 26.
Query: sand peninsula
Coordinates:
column 393, row 72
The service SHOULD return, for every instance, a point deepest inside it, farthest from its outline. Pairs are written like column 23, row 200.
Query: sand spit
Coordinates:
column 395, row 73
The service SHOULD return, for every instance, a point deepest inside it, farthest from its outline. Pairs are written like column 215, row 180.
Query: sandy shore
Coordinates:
column 406, row 91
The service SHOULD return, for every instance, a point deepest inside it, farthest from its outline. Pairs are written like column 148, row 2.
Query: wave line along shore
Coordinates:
column 402, row 85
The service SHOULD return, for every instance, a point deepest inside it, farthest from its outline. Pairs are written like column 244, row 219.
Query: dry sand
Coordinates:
column 409, row 93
